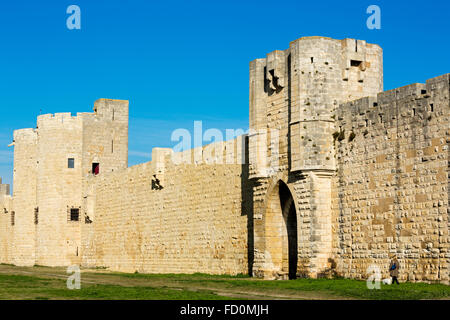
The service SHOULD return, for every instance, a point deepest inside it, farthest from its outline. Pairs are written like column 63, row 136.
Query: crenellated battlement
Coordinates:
column 415, row 102
column 333, row 177
column 24, row 134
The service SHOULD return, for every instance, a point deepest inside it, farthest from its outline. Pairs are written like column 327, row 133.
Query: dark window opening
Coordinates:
column 431, row 107
column 266, row 84
column 95, row 168
column 112, row 146
column 74, row 214
column 156, row 184
column 414, row 111
column 36, row 215
column 13, row 218
column 312, row 59
column 355, row 63
column 113, row 115
column 71, row 163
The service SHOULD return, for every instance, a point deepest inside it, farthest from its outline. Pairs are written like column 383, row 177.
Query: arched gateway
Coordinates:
column 281, row 246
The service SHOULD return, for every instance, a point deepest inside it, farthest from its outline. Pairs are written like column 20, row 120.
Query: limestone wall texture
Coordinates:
column 191, row 220
column 47, row 188
column 293, row 97
column 5, row 224
column 333, row 177
column 390, row 193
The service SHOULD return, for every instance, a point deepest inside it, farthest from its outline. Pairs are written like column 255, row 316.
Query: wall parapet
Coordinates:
column 388, row 107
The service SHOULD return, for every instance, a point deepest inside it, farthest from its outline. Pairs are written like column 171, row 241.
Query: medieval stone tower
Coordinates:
column 338, row 176
column 52, row 165
column 293, row 96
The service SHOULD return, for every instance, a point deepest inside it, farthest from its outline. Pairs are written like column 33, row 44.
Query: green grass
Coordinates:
column 28, row 287
column 202, row 286
column 339, row 287
column 349, row 288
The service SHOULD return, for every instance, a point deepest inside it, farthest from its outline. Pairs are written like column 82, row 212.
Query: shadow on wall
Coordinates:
column 247, row 206
column 330, row 272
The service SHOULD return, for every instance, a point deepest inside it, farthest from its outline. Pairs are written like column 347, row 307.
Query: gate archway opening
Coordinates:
column 281, row 232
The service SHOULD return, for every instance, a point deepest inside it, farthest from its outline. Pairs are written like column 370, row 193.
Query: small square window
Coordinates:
column 74, row 214
column 71, row 163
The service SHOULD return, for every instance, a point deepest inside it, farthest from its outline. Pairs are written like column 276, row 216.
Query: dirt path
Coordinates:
column 91, row 277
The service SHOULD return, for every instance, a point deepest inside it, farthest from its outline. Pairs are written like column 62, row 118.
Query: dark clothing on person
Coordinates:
column 393, row 270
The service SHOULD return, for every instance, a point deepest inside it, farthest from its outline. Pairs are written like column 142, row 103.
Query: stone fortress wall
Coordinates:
column 46, row 189
column 391, row 189
column 160, row 217
column 334, row 176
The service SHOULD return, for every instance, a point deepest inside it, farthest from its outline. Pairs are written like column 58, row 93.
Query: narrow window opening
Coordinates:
column 312, row 59
column 113, row 115
column 95, row 168
column 156, row 184
column 13, row 218
column 74, row 214
column 355, row 63
column 367, row 122
column 431, row 107
column 381, row 117
column 71, row 163
column 112, row 146
column 356, row 45
column 36, row 215
column 266, row 81
column 414, row 111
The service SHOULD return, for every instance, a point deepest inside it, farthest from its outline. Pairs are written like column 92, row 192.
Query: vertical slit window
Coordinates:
column 36, row 215
column 95, row 168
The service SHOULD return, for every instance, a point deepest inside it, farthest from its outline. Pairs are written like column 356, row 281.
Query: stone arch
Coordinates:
column 280, row 232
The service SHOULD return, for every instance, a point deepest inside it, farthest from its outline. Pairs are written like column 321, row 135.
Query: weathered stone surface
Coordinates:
column 337, row 175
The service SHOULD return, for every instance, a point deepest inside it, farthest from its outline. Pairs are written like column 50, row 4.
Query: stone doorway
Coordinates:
column 281, row 252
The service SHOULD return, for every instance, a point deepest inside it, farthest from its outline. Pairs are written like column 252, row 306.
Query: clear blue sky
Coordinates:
column 180, row 61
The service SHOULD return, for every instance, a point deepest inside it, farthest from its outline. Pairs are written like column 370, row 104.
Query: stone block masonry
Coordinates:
column 184, row 218
column 334, row 176
column 392, row 183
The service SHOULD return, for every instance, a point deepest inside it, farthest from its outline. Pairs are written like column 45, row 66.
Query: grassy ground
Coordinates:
column 50, row 283
column 28, row 287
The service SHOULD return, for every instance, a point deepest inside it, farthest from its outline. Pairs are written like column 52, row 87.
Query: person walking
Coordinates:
column 393, row 269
